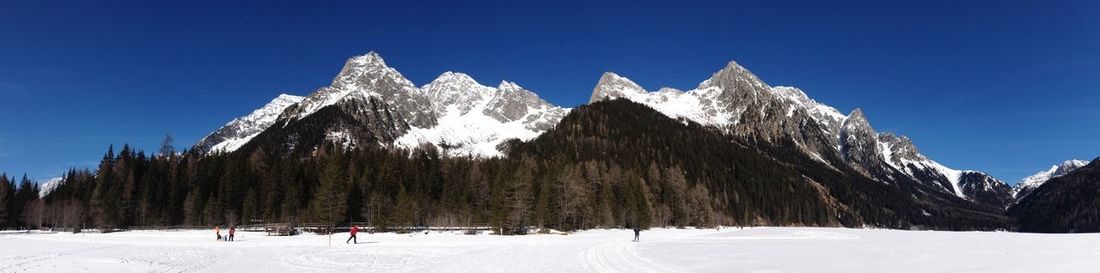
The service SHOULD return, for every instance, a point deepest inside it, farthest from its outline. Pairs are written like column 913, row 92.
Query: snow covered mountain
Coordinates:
column 368, row 76
column 371, row 102
column 240, row 130
column 473, row 119
column 739, row 103
column 1030, row 183
column 1066, row 202
column 45, row 188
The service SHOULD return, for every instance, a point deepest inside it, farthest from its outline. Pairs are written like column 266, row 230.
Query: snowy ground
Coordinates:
column 662, row 250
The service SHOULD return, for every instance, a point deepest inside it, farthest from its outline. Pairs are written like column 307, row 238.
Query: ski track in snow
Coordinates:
column 622, row 257
column 661, row 250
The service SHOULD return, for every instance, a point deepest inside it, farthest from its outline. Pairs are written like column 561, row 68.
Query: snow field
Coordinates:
column 661, row 250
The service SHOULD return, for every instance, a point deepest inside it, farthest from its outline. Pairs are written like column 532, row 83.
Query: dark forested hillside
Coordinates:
column 607, row 164
column 1069, row 203
column 748, row 182
column 693, row 174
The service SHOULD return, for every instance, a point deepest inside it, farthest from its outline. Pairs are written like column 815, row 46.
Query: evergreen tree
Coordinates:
column 125, row 185
column 5, row 200
column 543, row 201
column 250, row 210
column 635, row 202
column 192, row 208
column 105, row 198
column 329, row 202
column 404, row 209
column 213, row 212
column 519, row 195
column 24, row 201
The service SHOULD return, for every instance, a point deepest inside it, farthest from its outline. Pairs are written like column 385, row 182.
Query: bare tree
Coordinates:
column 166, row 148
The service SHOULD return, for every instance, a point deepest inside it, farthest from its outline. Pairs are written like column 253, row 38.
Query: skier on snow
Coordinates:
column 354, row 231
column 232, row 233
column 218, row 230
column 637, row 231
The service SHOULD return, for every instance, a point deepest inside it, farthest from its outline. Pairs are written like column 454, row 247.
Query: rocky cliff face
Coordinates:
column 859, row 146
column 985, row 189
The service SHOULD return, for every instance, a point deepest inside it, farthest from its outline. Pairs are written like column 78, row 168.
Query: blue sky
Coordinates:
column 1006, row 87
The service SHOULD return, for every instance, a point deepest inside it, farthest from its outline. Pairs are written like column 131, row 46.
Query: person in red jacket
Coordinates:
column 354, row 231
column 232, row 233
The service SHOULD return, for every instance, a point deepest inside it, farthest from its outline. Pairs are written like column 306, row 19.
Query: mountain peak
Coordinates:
column 1030, row 183
column 509, row 86
column 899, row 148
column 455, row 89
column 455, row 78
column 733, row 74
column 857, row 114
column 367, row 70
column 368, row 62
column 370, row 59
column 612, row 85
column 891, row 137
column 732, row 64
column 285, row 98
column 1073, row 162
column 1067, row 166
column 856, row 125
column 608, row 75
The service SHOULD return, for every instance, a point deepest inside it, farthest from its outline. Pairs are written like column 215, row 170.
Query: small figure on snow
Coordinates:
column 354, row 231
column 637, row 232
column 232, row 233
column 218, row 230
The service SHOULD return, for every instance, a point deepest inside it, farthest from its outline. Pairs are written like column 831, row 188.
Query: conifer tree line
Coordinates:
column 386, row 188
column 19, row 204
column 608, row 164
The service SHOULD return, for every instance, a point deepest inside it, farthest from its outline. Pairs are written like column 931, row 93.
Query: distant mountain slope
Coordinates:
column 1067, row 203
column 742, row 105
column 1030, row 183
column 45, row 188
column 241, row 130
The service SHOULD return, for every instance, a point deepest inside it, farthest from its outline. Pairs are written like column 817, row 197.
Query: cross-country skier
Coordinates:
column 218, row 230
column 232, row 233
column 354, row 231
column 637, row 231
